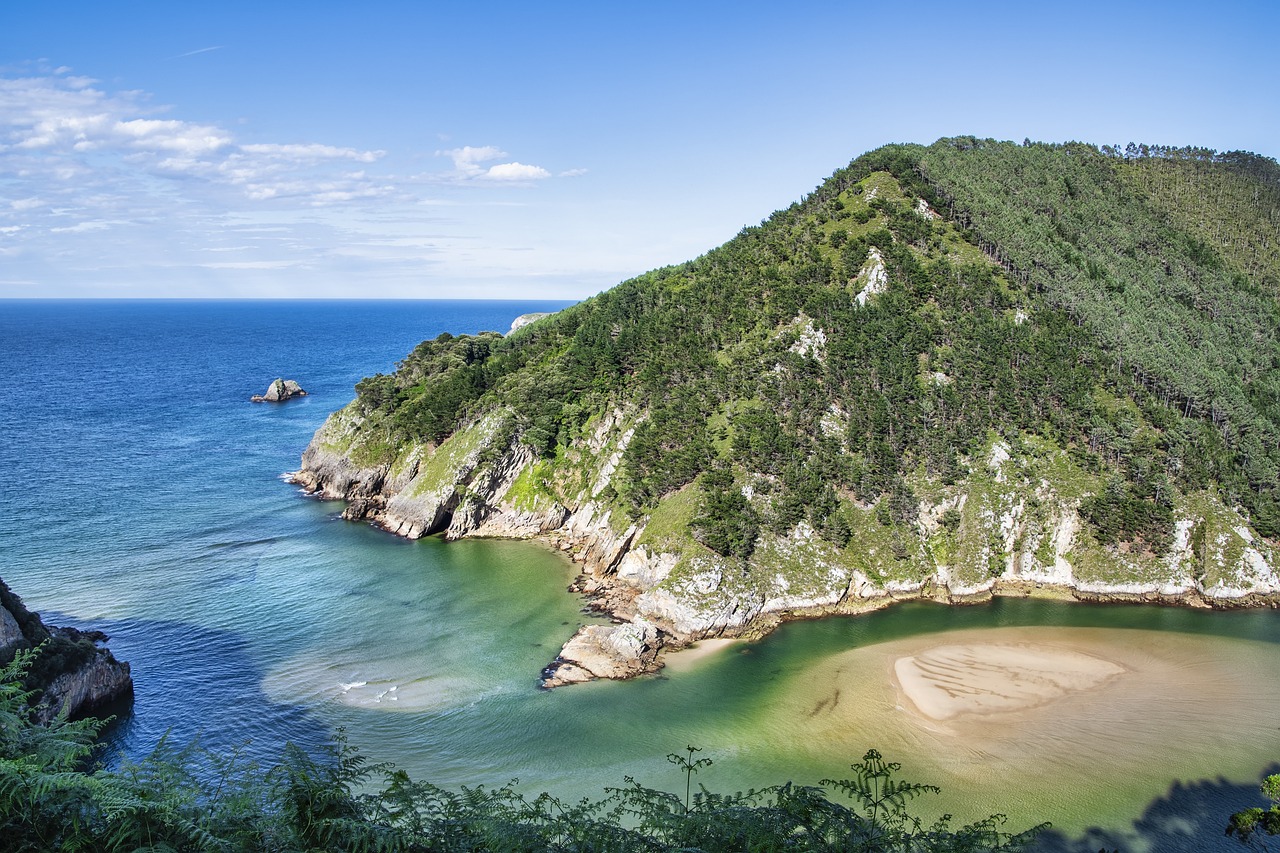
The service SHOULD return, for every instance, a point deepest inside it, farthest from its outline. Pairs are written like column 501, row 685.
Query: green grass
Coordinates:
column 441, row 471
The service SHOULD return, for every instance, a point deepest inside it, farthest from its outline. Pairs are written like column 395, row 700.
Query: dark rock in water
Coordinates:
column 279, row 391
column 70, row 671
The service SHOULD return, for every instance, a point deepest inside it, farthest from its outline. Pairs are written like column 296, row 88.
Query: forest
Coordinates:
column 1118, row 302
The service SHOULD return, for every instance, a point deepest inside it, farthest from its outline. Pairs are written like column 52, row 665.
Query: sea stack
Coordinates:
column 279, row 391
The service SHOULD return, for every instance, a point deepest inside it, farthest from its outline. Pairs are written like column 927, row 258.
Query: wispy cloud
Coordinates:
column 312, row 153
column 98, row 184
column 62, row 127
column 200, row 50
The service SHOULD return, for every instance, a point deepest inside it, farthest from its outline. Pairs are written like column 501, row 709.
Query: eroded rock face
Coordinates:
column 525, row 319
column 95, row 678
column 279, row 391
column 101, row 681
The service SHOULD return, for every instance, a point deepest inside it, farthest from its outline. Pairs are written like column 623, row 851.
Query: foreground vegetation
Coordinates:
column 192, row 799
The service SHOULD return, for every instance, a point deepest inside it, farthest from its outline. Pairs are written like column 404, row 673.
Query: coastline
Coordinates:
column 648, row 649
column 767, row 623
column 663, row 590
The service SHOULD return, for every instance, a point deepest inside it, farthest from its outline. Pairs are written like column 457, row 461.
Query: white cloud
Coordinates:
column 467, row 159
column 572, row 173
column 467, row 162
column 516, row 172
column 180, row 137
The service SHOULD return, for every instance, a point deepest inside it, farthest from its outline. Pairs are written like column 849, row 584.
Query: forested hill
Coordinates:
column 854, row 372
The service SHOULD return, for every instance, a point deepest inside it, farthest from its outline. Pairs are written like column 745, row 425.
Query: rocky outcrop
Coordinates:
column 279, row 391
column 606, row 651
column 71, row 673
column 525, row 319
column 99, row 681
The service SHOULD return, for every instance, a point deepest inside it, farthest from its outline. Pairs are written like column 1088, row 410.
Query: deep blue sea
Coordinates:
column 142, row 494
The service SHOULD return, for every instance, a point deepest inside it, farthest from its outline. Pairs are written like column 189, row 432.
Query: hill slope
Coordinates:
column 949, row 370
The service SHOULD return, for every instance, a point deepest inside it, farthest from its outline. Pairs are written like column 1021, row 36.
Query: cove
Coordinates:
column 144, row 497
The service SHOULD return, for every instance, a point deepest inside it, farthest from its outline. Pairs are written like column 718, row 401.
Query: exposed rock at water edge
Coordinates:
column 71, row 673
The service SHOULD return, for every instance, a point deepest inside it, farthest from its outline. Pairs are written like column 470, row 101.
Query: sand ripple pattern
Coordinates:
column 984, row 678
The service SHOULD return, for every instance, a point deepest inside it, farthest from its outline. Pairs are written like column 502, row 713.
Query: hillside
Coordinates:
column 948, row 371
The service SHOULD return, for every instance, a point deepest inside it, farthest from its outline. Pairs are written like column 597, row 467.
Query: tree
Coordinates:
column 1244, row 824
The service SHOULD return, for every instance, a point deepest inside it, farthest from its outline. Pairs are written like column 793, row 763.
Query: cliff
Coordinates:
column 950, row 372
column 72, row 674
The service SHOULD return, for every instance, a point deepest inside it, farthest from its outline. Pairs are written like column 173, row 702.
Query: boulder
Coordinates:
column 279, row 391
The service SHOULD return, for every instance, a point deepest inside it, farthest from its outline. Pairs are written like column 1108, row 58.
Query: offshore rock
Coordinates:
column 279, row 391
column 83, row 677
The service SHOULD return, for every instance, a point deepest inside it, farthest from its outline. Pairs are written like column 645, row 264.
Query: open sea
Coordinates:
column 142, row 494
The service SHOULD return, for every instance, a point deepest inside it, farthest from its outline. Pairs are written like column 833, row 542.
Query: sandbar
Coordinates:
column 983, row 678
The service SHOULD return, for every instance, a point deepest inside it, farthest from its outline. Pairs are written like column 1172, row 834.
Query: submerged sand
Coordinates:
column 1009, row 708
column 955, row 679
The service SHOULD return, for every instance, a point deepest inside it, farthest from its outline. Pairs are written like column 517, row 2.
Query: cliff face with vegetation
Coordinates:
column 70, row 672
column 950, row 371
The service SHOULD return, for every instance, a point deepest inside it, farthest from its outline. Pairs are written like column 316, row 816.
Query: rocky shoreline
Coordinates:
column 621, row 577
column 72, row 673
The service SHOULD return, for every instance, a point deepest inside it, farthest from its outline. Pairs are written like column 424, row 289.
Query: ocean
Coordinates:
column 144, row 495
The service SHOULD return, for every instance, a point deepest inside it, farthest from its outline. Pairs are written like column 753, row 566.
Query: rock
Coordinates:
column 100, row 681
column 88, row 678
column 525, row 319
column 606, row 651
column 279, row 391
column 10, row 632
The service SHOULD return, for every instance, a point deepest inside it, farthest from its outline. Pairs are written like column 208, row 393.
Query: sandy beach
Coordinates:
column 690, row 656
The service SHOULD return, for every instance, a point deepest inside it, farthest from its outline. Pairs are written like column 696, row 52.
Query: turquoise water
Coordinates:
column 143, row 495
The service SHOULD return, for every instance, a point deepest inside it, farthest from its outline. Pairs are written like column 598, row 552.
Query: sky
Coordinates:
column 538, row 150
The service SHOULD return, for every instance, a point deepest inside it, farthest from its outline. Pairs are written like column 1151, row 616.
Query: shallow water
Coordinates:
column 144, row 496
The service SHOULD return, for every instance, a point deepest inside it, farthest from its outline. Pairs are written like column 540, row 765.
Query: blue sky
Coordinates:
column 501, row 150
